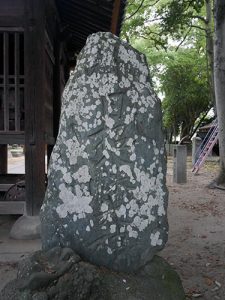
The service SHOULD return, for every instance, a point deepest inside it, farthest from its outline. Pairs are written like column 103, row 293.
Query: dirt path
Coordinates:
column 196, row 246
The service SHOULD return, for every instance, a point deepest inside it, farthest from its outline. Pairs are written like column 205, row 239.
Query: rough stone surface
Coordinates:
column 106, row 197
column 26, row 228
column 59, row 274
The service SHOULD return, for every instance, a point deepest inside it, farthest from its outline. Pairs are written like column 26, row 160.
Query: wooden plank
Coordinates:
column 3, row 159
column 90, row 25
column 6, row 74
column 11, row 178
column 17, row 68
column 34, row 104
column 11, row 29
column 115, row 16
column 57, row 86
column 91, row 9
column 12, row 138
column 86, row 15
column 12, row 8
column 4, row 187
column 12, row 207
column 11, row 21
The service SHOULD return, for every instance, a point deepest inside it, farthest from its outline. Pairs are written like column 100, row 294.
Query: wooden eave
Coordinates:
column 80, row 18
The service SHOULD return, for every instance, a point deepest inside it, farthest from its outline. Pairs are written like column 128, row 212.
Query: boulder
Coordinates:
column 106, row 197
column 60, row 274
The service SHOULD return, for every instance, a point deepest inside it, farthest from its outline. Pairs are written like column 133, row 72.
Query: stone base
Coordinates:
column 26, row 228
column 61, row 274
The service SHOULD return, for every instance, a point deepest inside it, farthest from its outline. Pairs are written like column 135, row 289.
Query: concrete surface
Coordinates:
column 16, row 165
column 12, row 251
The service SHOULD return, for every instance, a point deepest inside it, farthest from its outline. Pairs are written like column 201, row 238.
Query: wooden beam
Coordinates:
column 3, row 159
column 4, row 187
column 12, row 207
column 87, row 16
column 115, row 16
column 57, row 92
column 11, row 21
column 11, row 138
column 86, row 7
column 17, row 67
column 34, row 105
column 11, row 29
column 6, row 74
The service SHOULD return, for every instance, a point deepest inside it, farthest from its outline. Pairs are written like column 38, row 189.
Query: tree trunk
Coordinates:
column 210, row 50
column 219, row 75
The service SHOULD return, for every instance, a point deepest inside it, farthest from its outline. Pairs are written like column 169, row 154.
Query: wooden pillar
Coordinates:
column 56, row 91
column 57, row 85
column 3, row 159
column 115, row 16
column 34, row 105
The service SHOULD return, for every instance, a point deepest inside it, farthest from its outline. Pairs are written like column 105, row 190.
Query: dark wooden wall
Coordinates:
column 39, row 22
column 11, row 15
column 46, row 68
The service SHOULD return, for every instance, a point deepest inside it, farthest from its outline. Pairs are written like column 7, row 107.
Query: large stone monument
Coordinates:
column 106, row 201
column 106, row 197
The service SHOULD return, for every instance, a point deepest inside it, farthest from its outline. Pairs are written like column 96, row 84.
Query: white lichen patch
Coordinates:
column 82, row 175
column 109, row 251
column 155, row 240
column 77, row 204
column 126, row 169
column 104, row 207
column 112, row 228
column 121, row 212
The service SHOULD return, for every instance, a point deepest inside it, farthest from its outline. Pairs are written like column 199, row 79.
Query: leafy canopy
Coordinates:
column 172, row 34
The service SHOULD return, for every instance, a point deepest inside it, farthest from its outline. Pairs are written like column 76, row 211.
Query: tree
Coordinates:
column 186, row 94
column 164, row 20
column 219, row 71
column 184, row 84
column 159, row 21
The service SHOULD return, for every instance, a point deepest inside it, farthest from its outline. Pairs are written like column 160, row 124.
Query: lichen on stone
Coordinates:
column 106, row 179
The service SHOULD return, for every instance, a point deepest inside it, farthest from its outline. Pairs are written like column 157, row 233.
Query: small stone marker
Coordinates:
column 180, row 164
column 196, row 142
column 106, row 197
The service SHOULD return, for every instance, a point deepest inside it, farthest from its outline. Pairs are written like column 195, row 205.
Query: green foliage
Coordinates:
column 177, row 16
column 181, row 78
column 185, row 86
column 172, row 34
column 163, row 20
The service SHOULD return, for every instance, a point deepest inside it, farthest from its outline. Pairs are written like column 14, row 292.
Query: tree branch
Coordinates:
column 134, row 13
column 183, row 40
column 156, row 19
column 153, row 4
column 139, row 7
column 200, row 18
column 198, row 27
column 155, row 40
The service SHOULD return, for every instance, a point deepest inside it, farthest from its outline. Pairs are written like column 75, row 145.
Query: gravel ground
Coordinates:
column 196, row 246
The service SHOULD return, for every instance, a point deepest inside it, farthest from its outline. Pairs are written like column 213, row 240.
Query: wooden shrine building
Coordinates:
column 39, row 41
